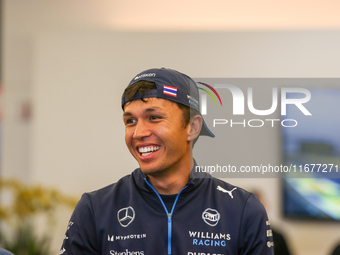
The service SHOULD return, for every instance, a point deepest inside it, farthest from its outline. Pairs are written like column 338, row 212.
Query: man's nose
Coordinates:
column 142, row 130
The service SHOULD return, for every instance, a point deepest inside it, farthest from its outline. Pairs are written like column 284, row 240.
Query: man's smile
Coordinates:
column 147, row 150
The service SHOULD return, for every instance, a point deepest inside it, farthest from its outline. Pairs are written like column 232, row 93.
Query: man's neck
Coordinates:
column 171, row 182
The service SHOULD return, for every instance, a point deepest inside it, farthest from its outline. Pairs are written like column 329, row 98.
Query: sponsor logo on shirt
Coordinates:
column 269, row 233
column 209, row 238
column 112, row 238
column 270, row 244
column 203, row 253
column 126, row 252
column 211, row 217
column 70, row 224
column 226, row 191
column 126, row 216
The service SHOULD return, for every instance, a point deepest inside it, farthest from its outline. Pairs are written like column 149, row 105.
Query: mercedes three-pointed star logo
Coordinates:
column 126, row 216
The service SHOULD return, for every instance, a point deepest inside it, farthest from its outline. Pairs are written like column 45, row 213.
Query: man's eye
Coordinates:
column 154, row 117
column 130, row 121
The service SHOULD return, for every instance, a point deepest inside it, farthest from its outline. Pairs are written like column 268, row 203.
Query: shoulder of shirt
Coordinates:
column 237, row 191
column 111, row 188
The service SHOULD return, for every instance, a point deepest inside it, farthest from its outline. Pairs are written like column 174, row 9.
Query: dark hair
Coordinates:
column 142, row 87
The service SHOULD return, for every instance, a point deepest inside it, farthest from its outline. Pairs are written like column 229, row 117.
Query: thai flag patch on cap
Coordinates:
column 171, row 91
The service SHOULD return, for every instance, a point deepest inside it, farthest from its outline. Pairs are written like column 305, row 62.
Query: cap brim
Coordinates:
column 205, row 130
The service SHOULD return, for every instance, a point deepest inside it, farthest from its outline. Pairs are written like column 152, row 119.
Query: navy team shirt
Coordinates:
column 208, row 217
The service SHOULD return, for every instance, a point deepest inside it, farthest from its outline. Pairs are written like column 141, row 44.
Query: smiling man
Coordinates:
column 158, row 140
column 163, row 207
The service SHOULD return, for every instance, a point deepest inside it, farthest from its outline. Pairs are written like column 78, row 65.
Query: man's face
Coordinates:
column 155, row 135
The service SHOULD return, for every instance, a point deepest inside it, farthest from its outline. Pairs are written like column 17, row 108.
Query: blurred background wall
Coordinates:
column 65, row 64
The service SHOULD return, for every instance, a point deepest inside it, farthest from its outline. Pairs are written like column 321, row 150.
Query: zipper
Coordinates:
column 167, row 212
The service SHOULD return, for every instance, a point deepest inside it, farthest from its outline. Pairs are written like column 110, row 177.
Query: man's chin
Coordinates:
column 148, row 171
column 152, row 171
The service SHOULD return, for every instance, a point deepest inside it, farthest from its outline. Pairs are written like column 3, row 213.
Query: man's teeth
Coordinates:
column 148, row 150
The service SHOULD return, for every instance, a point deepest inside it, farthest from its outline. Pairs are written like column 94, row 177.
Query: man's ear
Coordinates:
column 195, row 127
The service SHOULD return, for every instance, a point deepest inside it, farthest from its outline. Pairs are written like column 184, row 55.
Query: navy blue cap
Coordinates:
column 171, row 85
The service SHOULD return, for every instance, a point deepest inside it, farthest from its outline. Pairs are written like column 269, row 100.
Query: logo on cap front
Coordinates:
column 145, row 75
column 171, row 91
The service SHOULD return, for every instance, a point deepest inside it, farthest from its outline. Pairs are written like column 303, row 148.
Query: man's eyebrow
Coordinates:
column 127, row 114
column 149, row 109
column 153, row 108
